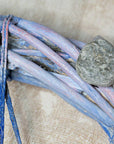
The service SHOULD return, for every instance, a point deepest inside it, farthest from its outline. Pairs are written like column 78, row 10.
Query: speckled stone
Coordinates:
column 95, row 64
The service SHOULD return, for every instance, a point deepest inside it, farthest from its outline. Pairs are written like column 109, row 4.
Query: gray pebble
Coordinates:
column 95, row 64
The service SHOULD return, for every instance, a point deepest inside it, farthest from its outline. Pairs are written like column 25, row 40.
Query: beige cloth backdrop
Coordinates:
column 43, row 117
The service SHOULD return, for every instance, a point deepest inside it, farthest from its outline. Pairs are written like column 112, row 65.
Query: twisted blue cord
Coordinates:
column 3, row 86
column 3, row 81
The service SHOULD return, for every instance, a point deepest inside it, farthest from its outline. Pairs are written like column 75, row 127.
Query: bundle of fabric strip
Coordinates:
column 34, row 54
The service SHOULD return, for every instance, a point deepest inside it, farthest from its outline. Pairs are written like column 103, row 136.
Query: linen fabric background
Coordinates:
column 42, row 116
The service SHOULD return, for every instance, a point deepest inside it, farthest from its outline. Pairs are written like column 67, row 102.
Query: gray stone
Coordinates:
column 95, row 64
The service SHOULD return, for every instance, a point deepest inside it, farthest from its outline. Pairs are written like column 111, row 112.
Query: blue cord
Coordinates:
column 4, row 88
column 12, row 117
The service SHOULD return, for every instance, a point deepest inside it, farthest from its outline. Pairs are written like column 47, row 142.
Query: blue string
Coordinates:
column 12, row 117
column 2, row 84
column 4, row 88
